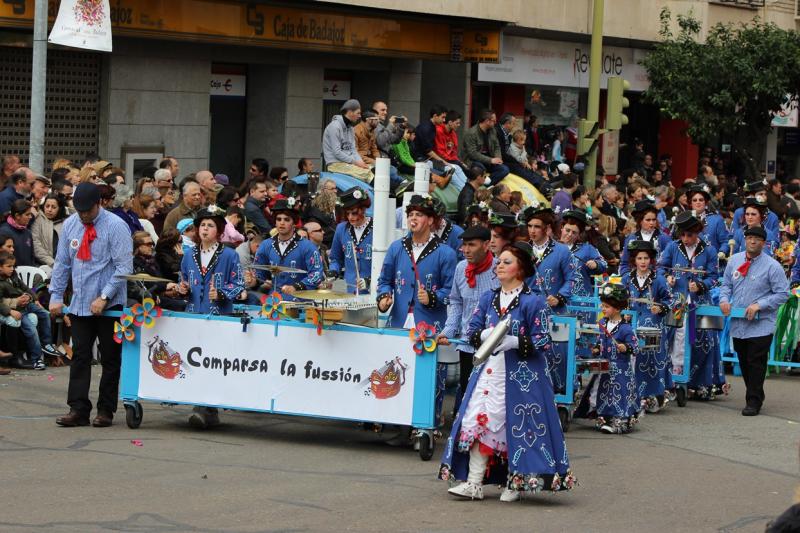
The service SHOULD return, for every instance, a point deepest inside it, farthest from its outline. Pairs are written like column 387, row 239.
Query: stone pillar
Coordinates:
column 303, row 113
column 771, row 154
column 405, row 89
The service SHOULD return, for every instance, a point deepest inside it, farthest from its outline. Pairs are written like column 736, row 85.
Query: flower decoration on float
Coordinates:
column 272, row 306
column 123, row 330
column 316, row 319
column 145, row 313
column 423, row 336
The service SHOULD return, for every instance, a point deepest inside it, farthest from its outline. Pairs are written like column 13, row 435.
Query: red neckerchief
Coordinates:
column 89, row 235
column 473, row 270
column 744, row 268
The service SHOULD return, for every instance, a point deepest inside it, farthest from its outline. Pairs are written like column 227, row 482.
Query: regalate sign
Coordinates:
column 561, row 64
column 255, row 24
column 339, row 374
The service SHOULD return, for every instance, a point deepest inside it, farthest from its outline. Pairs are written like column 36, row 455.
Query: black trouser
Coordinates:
column 753, row 354
column 465, row 369
column 85, row 329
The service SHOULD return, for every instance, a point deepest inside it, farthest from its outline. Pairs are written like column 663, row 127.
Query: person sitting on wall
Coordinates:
column 339, row 143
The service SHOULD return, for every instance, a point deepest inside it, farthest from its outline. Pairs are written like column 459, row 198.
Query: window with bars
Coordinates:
column 72, row 106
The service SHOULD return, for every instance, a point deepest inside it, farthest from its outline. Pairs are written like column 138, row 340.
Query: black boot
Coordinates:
column 20, row 362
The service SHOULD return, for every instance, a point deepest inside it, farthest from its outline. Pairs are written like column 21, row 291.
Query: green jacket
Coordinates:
column 403, row 153
column 473, row 142
column 10, row 290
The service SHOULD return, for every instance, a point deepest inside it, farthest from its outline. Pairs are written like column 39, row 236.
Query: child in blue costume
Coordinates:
column 614, row 396
column 645, row 214
column 653, row 373
column 587, row 262
column 353, row 235
column 755, row 214
column 211, row 275
column 714, row 233
column 555, row 275
column 288, row 249
column 705, row 376
column 416, row 278
column 507, row 430
column 212, row 278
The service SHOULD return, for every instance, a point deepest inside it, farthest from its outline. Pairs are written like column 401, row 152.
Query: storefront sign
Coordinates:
column 787, row 116
column 83, row 24
column 228, row 85
column 561, row 64
column 336, row 90
column 339, row 374
column 475, row 46
column 286, row 27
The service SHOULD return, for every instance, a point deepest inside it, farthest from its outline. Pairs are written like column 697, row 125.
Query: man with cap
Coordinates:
column 474, row 276
column 755, row 281
column 555, row 276
column 288, row 249
column 351, row 250
column 757, row 190
column 645, row 213
column 691, row 252
column 94, row 252
column 339, row 143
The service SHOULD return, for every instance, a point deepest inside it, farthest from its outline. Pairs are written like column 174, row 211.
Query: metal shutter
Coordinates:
column 73, row 102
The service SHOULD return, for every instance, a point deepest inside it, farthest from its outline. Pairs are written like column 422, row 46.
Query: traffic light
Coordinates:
column 616, row 103
column 588, row 137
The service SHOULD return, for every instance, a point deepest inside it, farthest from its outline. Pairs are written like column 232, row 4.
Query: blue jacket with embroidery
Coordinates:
column 344, row 240
column 301, row 253
column 224, row 271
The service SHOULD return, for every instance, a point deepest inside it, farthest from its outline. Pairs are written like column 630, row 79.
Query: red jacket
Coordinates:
column 446, row 144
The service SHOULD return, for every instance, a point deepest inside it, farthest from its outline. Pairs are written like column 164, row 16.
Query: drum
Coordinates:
column 671, row 321
column 559, row 332
column 651, row 337
column 710, row 322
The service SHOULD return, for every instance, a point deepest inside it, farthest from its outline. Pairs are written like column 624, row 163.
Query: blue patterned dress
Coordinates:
column 301, row 254
column 344, row 241
column 223, row 271
column 582, row 253
column 533, row 454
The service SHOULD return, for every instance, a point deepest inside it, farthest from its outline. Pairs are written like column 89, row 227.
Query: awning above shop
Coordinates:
column 298, row 26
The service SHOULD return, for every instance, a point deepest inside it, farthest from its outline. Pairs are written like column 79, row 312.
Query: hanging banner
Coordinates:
column 610, row 150
column 83, row 24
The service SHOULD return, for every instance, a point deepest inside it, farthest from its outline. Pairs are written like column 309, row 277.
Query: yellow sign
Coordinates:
column 232, row 22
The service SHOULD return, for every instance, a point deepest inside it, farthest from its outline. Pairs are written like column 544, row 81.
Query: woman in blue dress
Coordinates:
column 507, row 430
column 351, row 249
column 212, row 278
column 690, row 251
column 555, row 276
column 755, row 214
column 614, row 396
column 648, row 228
column 653, row 373
column 715, row 232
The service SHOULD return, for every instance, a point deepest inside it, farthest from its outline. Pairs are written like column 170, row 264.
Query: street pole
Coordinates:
column 38, row 87
column 595, row 68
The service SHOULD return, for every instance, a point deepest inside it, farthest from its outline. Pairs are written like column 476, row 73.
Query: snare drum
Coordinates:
column 651, row 337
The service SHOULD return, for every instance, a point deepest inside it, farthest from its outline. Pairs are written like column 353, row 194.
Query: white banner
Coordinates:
column 610, row 159
column 83, row 24
column 561, row 64
column 339, row 374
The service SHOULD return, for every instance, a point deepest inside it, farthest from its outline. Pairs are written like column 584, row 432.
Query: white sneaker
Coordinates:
column 468, row 490
column 509, row 495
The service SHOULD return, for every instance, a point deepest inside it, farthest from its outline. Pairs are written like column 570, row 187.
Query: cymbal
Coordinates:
column 322, row 294
column 644, row 301
column 687, row 269
column 277, row 269
column 145, row 278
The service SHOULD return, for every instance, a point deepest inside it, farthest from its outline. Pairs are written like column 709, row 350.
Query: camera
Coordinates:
column 400, row 120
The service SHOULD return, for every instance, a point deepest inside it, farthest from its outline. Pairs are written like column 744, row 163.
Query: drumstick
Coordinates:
column 355, row 263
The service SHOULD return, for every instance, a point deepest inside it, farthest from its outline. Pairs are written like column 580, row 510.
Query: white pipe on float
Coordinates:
column 381, row 215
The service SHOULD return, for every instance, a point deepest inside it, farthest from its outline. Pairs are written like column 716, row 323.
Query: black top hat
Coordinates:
column 213, row 212
column 757, row 231
column 476, row 232
column 424, row 204
column 613, row 291
column 354, row 197
column 533, row 211
column 576, row 215
column 752, row 202
column 754, row 186
column 637, row 246
column 643, row 206
column 503, row 220
column 687, row 220
column 439, row 207
column 702, row 189
column 478, row 209
column 287, row 205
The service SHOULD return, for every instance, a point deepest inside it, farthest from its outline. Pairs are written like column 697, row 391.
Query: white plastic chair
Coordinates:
column 29, row 273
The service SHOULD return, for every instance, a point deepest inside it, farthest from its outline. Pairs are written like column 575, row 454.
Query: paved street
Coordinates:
column 702, row 468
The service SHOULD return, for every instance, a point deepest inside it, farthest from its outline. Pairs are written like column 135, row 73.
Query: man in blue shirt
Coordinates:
column 474, row 276
column 757, row 282
column 95, row 252
column 18, row 188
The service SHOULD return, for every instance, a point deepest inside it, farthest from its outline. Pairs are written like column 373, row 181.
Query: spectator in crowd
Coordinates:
column 17, row 304
column 145, row 208
column 446, row 141
column 247, row 251
column 16, row 226
column 259, row 168
column 11, row 164
column 503, row 129
column 122, row 206
column 163, row 178
column 18, row 189
column 234, row 216
column 562, row 199
column 466, row 197
column 171, row 164
column 304, row 166
column 191, row 202
column 323, row 211
column 390, row 130
column 316, row 235
column 366, row 143
column 46, row 230
column 557, row 153
column 501, row 200
column 254, row 206
column 96, row 270
column 339, row 143
column 88, row 174
column 482, row 147
column 279, row 175
column 169, row 253
column 40, row 189
column 145, row 262
column 402, row 151
column 532, row 138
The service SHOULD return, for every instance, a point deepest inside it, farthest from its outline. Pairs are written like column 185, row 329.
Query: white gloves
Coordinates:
column 485, row 333
column 509, row 342
column 361, row 283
